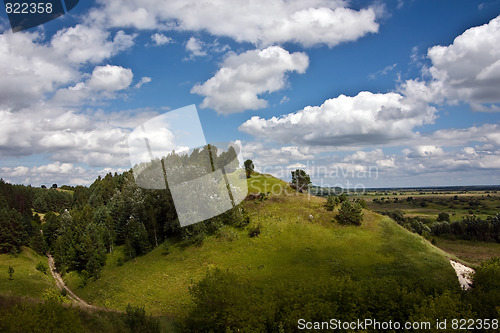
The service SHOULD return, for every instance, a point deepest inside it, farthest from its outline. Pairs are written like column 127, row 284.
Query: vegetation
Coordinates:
column 26, row 279
column 350, row 213
column 249, row 167
column 300, row 181
column 54, row 316
column 257, row 267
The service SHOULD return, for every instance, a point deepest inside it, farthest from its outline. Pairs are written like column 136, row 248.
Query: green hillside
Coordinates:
column 26, row 280
column 298, row 243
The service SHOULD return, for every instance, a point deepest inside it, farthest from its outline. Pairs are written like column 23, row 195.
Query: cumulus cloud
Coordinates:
column 83, row 43
column 110, row 78
column 56, row 172
column 261, row 22
column 365, row 119
column 236, row 86
column 467, row 70
column 195, row 47
column 160, row 39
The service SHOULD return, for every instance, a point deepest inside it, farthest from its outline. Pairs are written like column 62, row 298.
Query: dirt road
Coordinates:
column 61, row 285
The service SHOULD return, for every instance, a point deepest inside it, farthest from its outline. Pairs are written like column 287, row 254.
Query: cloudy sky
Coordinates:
column 371, row 93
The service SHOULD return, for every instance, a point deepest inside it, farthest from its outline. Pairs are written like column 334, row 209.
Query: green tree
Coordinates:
column 300, row 180
column 343, row 197
column 331, row 202
column 11, row 272
column 249, row 167
column 350, row 213
column 443, row 217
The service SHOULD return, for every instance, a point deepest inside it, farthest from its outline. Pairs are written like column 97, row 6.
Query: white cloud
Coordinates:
column 110, row 78
column 261, row 22
column 195, row 47
column 142, row 82
column 82, row 43
column 160, row 39
column 236, row 86
column 365, row 119
column 467, row 70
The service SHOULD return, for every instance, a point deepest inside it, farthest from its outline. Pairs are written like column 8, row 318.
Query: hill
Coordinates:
column 298, row 243
column 26, row 280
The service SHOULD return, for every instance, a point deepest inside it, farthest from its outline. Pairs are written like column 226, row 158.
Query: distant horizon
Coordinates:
column 407, row 89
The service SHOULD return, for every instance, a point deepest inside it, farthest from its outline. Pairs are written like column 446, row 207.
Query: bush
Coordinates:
column 254, row 232
column 350, row 213
column 443, row 217
column 138, row 321
column 331, row 202
column 42, row 267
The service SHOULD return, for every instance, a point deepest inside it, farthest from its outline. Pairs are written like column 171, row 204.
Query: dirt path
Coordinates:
column 463, row 273
column 61, row 285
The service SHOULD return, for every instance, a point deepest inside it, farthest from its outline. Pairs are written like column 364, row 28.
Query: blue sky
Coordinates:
column 369, row 93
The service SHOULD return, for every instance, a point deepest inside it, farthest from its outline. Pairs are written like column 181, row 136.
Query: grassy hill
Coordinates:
column 26, row 280
column 292, row 247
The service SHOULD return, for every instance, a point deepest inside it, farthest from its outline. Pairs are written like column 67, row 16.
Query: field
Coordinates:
column 469, row 251
column 26, row 280
column 298, row 242
column 429, row 203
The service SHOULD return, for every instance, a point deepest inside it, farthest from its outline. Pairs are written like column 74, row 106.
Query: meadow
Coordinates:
column 298, row 242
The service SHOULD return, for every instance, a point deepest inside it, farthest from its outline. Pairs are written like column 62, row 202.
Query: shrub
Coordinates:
column 331, row 202
column 138, row 321
column 350, row 213
column 255, row 231
column 42, row 267
column 443, row 217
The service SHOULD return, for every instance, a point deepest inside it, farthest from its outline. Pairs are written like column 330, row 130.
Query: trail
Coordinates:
column 463, row 273
column 61, row 285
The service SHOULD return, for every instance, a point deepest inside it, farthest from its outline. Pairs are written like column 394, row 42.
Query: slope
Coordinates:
column 298, row 242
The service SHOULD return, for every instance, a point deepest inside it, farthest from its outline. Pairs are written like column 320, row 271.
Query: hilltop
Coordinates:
column 298, row 242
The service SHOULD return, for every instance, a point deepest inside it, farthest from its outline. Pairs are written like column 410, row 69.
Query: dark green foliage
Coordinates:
column 343, row 197
column 138, row 322
column 226, row 302
column 136, row 239
column 470, row 228
column 300, row 181
column 10, row 270
column 53, row 316
column 350, row 213
column 38, row 244
column 254, row 231
column 42, row 267
column 331, row 202
column 12, row 231
column 249, row 167
column 485, row 292
column 45, row 317
column 443, row 217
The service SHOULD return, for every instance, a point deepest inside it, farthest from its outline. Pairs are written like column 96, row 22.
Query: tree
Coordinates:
column 54, row 185
column 331, row 202
column 249, row 167
column 300, row 180
column 43, row 186
column 11, row 272
column 343, row 197
column 350, row 213
column 443, row 217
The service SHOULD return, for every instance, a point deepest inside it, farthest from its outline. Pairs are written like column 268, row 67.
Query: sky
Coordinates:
column 394, row 93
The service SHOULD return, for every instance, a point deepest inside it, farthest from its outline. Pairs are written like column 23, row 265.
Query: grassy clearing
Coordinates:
column 26, row 280
column 292, row 247
column 469, row 251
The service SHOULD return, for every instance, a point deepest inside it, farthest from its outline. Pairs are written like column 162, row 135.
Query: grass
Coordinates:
column 26, row 280
column 471, row 252
column 456, row 204
column 291, row 247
